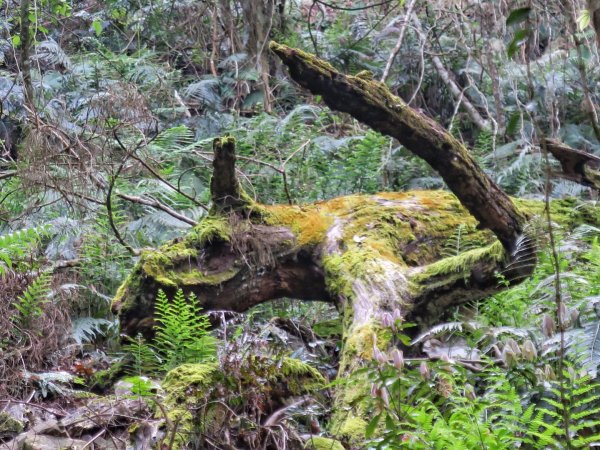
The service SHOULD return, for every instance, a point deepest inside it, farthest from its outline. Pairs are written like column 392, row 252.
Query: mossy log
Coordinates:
column 367, row 254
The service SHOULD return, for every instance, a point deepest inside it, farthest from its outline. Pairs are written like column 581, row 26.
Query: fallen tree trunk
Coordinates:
column 369, row 255
column 580, row 167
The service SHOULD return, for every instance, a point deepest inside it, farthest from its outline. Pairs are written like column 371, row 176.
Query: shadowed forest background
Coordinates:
column 166, row 167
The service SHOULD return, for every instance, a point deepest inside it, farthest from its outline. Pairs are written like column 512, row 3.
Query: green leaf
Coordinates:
column 583, row 21
column 16, row 40
column 372, row 425
column 513, row 123
column 97, row 26
column 518, row 39
column 517, row 16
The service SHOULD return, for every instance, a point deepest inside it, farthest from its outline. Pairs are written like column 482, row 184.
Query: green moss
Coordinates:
column 195, row 277
column 309, row 224
column 343, row 269
column 211, row 228
column 225, row 141
column 323, row 443
column 122, row 293
column 568, row 212
column 9, row 426
column 185, row 387
column 189, row 377
column 300, row 376
column 323, row 67
column 125, row 297
column 365, row 75
column 461, row 264
column 352, row 429
column 328, row 328
column 174, row 264
column 361, row 340
column 103, row 380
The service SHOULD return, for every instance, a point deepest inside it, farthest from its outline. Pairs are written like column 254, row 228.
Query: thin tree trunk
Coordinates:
column 25, row 54
column 455, row 90
column 398, row 46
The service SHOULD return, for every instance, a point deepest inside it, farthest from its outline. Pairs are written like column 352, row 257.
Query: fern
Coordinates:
column 182, row 336
column 50, row 53
column 456, row 243
column 30, row 303
column 181, row 331
column 205, row 92
column 142, row 358
column 87, row 329
column 14, row 245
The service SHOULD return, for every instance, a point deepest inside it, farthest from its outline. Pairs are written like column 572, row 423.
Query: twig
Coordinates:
column 154, row 172
column 10, row 173
column 158, row 205
column 109, row 210
column 35, row 405
column 398, row 45
column 452, row 86
column 91, row 441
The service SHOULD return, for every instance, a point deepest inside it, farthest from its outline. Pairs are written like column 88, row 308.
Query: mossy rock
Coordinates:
column 188, row 377
column 9, row 426
column 323, row 443
column 301, row 377
column 185, row 387
column 353, row 430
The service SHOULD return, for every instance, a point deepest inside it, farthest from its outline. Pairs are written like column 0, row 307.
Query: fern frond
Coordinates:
column 445, row 328
column 142, row 358
column 205, row 92
column 87, row 329
column 30, row 303
column 14, row 245
column 181, row 330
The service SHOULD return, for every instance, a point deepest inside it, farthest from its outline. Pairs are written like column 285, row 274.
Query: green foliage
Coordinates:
column 30, row 303
column 182, row 331
column 140, row 386
column 447, row 407
column 181, row 336
column 141, row 357
column 15, row 245
column 105, row 260
column 457, row 244
column 101, row 80
column 518, row 396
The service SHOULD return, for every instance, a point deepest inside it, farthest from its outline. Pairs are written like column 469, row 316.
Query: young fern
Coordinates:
column 142, row 358
column 181, row 331
column 182, row 336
